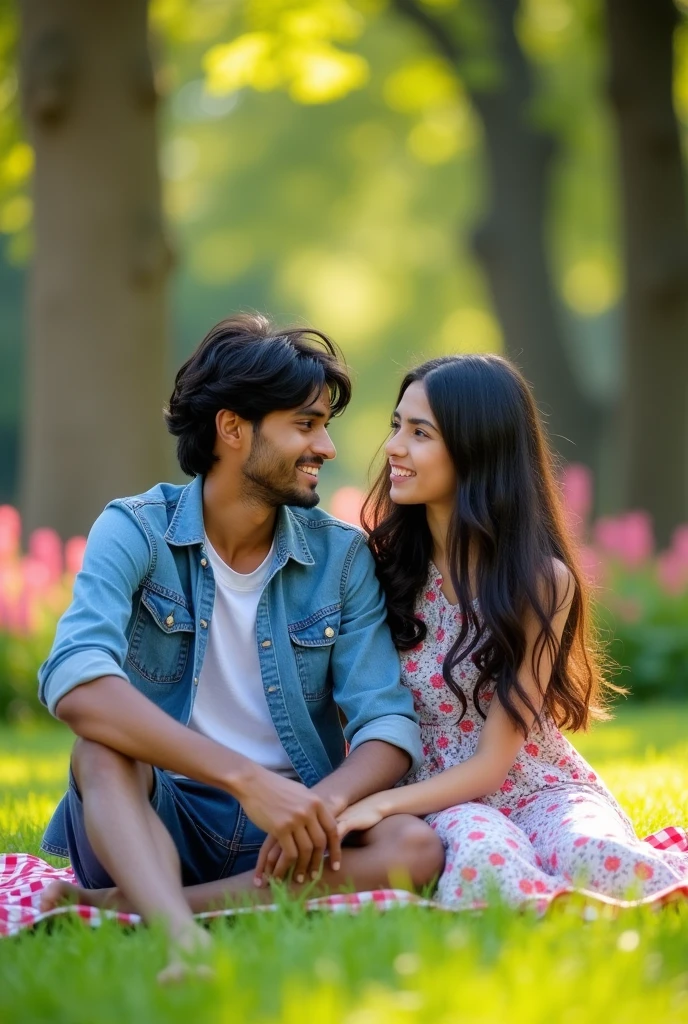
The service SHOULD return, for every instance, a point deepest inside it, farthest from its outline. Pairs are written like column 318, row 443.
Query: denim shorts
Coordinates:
column 214, row 837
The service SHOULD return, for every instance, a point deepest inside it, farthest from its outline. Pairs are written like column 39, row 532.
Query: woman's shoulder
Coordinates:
column 563, row 581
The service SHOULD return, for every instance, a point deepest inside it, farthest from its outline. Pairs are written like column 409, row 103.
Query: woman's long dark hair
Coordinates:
column 508, row 513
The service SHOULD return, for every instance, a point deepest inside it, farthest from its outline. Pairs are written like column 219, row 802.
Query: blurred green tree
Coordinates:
column 96, row 320
column 290, row 44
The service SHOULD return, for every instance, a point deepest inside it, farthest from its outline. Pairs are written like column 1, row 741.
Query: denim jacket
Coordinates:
column 143, row 603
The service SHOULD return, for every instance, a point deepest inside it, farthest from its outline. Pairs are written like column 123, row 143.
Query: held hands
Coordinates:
column 362, row 815
column 300, row 826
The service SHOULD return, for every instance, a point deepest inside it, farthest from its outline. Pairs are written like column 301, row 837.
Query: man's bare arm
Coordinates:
column 112, row 712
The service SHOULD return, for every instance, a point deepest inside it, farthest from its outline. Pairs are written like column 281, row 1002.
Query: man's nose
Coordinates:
column 324, row 446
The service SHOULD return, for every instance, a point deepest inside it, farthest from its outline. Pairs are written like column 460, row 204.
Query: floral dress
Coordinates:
column 553, row 826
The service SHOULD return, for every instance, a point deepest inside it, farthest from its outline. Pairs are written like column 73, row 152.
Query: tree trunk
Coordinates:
column 97, row 321
column 510, row 242
column 655, row 415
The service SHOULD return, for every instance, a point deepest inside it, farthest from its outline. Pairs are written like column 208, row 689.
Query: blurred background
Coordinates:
column 414, row 177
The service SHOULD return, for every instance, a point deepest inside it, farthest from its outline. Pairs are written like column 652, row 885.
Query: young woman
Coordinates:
column 490, row 613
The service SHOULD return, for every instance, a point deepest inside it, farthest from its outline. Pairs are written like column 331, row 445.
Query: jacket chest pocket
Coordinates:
column 160, row 641
column 312, row 642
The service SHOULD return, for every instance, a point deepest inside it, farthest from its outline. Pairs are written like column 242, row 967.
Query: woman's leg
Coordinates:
column 585, row 841
column 487, row 858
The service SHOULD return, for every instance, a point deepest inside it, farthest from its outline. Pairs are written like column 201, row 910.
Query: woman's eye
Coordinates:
column 394, row 426
column 419, row 433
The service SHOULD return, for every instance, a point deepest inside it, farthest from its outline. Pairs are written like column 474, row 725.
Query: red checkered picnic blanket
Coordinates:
column 23, row 878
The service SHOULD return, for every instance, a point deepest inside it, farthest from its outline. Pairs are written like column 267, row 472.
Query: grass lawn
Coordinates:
column 410, row 965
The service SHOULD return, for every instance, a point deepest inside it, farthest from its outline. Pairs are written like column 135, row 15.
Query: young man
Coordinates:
column 217, row 632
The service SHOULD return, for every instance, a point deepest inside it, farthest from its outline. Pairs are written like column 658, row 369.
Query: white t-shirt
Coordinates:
column 230, row 705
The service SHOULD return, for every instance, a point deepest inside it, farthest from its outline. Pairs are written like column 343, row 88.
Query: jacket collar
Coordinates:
column 187, row 526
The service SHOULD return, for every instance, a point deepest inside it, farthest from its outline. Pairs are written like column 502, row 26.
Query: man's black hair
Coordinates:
column 245, row 364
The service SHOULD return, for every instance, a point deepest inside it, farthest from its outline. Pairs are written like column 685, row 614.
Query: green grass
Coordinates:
column 409, row 965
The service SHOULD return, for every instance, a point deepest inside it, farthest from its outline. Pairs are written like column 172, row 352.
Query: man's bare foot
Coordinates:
column 59, row 894
column 190, row 950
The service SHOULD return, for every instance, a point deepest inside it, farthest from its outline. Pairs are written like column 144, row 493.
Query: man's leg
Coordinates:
column 400, row 850
column 130, row 842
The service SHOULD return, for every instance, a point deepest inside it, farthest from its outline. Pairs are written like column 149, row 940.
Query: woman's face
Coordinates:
column 421, row 470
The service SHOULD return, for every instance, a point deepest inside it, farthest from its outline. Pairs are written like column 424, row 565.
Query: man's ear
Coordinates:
column 231, row 428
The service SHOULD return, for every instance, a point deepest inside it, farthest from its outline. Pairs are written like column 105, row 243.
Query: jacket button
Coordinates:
column 329, row 632
column 204, row 562
column 169, row 621
column 271, row 689
column 266, row 643
column 195, row 680
column 204, row 624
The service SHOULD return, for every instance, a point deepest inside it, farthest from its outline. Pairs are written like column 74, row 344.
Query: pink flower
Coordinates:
column 10, row 532
column 440, row 635
column 496, row 859
column 552, row 807
column 442, row 742
column 628, row 537
column 521, row 803
column 469, row 874
column 479, row 817
column 466, row 725
column 612, row 863
column 592, row 777
column 506, row 811
column 437, row 681
column 581, row 841
column 458, row 892
column 431, row 595
column 476, row 835
column 643, row 870
column 553, row 859
column 532, row 837
column 525, row 886
column 346, row 504
column 74, row 554
column 576, row 486
column 411, row 666
column 532, row 749
column 551, row 779
column 440, row 659
column 446, row 708
column 512, row 843
column 506, row 786
column 540, row 886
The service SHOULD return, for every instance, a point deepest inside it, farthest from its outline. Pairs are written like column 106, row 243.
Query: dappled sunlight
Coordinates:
column 470, row 330
column 30, row 770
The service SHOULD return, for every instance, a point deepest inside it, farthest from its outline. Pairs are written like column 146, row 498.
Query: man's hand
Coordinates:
column 271, row 861
column 296, row 819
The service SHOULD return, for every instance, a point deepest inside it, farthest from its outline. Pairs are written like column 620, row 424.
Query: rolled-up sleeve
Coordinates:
column 365, row 664
column 90, row 640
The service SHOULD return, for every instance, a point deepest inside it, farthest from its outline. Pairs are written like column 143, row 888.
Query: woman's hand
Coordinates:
column 363, row 814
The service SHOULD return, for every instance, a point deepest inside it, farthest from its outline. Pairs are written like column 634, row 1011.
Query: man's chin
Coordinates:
column 303, row 499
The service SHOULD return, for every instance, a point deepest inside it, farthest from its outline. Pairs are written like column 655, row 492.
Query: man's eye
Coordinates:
column 307, row 423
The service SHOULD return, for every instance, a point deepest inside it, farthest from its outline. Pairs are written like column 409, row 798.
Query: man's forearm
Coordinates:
column 112, row 712
column 370, row 768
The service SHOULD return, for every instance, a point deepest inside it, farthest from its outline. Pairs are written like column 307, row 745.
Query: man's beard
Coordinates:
column 270, row 477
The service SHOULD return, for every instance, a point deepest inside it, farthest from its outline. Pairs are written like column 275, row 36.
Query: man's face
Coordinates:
column 288, row 449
